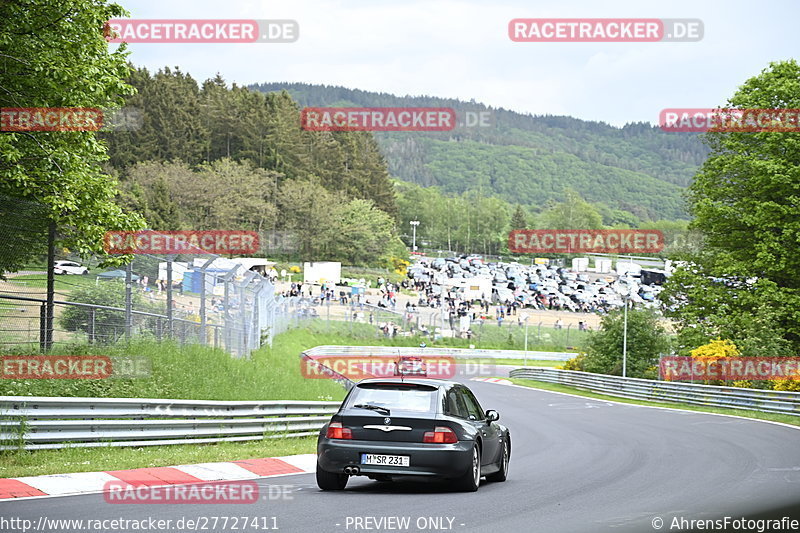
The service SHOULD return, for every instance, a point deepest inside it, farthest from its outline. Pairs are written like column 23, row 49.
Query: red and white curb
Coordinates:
column 93, row 482
column 499, row 381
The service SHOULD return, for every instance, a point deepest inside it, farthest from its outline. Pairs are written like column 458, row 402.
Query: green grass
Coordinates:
column 512, row 337
column 758, row 415
column 41, row 462
column 493, row 338
column 515, row 362
column 193, row 372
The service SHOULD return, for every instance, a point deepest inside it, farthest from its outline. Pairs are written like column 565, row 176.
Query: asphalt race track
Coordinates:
column 578, row 465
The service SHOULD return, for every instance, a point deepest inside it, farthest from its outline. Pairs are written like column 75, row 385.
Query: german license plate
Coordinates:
column 384, row 460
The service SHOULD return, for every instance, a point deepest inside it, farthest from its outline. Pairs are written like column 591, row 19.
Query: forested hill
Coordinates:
column 531, row 159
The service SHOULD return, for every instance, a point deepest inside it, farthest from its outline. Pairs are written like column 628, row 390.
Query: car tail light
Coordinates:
column 336, row 431
column 441, row 435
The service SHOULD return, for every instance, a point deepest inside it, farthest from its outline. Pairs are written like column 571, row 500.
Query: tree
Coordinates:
column 573, row 213
column 647, row 340
column 746, row 203
column 518, row 220
column 56, row 56
column 364, row 235
column 307, row 211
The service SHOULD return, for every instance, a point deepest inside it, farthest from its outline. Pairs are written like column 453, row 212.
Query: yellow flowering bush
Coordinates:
column 716, row 349
column 400, row 266
column 713, row 351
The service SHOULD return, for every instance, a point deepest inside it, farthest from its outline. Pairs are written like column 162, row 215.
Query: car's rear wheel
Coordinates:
column 502, row 474
column 471, row 479
column 330, row 480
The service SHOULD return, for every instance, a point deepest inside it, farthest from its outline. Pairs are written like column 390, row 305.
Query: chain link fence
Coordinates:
column 234, row 304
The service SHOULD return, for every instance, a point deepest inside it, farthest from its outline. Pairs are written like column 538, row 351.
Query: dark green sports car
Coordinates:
column 386, row 428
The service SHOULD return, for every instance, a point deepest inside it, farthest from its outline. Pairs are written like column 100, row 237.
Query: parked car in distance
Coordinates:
column 69, row 267
column 410, row 366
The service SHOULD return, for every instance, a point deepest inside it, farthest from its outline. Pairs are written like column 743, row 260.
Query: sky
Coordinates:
column 461, row 49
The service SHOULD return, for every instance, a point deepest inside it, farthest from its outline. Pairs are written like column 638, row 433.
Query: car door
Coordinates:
column 489, row 431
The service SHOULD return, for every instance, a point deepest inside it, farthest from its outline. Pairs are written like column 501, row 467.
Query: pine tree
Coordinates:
column 518, row 219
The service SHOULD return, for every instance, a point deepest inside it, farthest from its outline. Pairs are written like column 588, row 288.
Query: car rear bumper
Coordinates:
column 440, row 460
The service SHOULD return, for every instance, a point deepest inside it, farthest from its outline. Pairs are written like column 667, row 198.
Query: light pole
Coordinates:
column 414, row 224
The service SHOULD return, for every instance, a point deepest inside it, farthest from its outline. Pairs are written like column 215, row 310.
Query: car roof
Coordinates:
column 416, row 381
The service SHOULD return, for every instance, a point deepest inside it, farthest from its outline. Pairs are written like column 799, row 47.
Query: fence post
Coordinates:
column 43, row 327
column 90, row 325
column 51, row 255
column 128, row 300
column 226, row 314
column 203, row 299
column 256, row 331
column 170, row 328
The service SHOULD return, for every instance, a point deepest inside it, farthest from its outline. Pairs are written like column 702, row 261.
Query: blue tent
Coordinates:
column 116, row 274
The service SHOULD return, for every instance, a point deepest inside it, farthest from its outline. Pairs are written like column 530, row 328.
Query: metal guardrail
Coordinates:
column 36, row 423
column 768, row 401
column 463, row 353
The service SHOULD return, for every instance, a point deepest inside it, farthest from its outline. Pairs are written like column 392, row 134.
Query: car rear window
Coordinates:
column 418, row 398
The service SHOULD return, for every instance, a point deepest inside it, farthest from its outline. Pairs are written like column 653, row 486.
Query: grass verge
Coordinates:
column 513, row 362
column 41, row 462
column 758, row 415
column 491, row 338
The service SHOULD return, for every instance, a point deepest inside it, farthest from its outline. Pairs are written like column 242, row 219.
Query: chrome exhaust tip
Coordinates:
column 351, row 470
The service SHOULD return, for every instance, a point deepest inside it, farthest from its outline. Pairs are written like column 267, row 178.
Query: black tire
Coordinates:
column 502, row 474
column 331, row 480
column 471, row 479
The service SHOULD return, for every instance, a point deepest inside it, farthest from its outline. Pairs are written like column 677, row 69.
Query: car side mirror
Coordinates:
column 492, row 415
